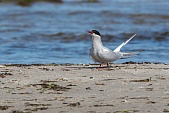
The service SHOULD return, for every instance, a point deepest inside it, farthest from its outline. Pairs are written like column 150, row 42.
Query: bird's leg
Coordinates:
column 99, row 67
column 107, row 67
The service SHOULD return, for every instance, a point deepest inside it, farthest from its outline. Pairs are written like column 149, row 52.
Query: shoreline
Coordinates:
column 68, row 64
column 81, row 88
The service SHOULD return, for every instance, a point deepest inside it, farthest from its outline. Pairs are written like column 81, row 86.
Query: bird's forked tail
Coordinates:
column 124, row 43
column 125, row 54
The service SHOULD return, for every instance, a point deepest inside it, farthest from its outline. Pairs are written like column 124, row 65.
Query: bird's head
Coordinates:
column 94, row 33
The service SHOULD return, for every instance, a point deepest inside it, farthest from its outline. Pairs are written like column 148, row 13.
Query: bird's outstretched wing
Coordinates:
column 124, row 43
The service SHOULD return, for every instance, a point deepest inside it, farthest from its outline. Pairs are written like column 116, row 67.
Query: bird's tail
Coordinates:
column 124, row 43
column 128, row 54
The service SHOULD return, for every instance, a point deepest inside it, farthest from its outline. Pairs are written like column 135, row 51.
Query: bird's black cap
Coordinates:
column 96, row 32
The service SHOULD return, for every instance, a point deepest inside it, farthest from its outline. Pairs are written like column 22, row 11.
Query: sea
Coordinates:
column 48, row 32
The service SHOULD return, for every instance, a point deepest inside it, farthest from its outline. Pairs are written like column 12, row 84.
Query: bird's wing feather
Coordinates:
column 124, row 43
column 108, row 55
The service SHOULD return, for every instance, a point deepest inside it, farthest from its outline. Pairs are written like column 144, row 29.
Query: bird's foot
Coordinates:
column 107, row 67
column 99, row 67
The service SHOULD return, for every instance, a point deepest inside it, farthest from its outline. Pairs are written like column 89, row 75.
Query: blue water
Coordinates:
column 57, row 33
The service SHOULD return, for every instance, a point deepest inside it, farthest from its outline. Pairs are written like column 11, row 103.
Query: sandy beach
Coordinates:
column 124, row 88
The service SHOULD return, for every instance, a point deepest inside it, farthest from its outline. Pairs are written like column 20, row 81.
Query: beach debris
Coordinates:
column 64, row 69
column 109, row 79
column 165, row 110
column 71, row 85
column 50, row 86
column 4, row 74
column 91, row 112
column 147, row 98
column 130, row 62
column 36, row 109
column 77, row 104
column 53, row 87
column 61, row 79
column 53, row 81
column 150, row 102
column 103, row 105
column 99, row 83
column 126, row 111
column 62, row 98
column 48, row 81
column 28, row 65
column 141, row 80
column 88, row 88
column 18, row 111
column 160, row 77
column 149, row 89
column 24, row 93
column 101, row 90
column 36, row 104
column 46, row 69
column 5, row 107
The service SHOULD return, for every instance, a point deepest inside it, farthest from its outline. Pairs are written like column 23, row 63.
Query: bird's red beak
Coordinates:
column 90, row 32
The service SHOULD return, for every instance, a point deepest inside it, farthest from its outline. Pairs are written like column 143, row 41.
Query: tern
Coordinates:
column 103, row 55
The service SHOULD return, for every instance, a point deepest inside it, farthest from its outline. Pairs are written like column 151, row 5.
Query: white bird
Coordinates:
column 100, row 53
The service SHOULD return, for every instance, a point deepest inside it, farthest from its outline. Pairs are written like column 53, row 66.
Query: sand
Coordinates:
column 124, row 88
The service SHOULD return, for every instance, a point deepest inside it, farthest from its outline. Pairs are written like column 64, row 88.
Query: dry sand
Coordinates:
column 124, row 88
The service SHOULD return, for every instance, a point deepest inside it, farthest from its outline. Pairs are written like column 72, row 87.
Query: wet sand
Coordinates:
column 124, row 88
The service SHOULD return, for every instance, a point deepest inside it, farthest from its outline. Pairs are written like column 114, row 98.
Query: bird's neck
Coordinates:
column 96, row 42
